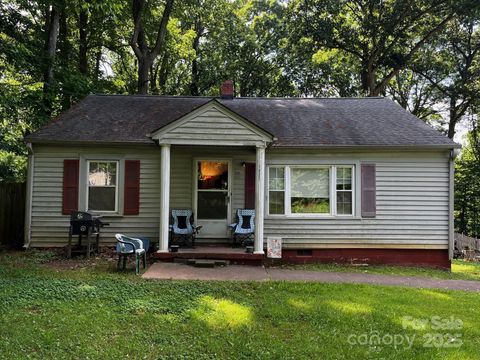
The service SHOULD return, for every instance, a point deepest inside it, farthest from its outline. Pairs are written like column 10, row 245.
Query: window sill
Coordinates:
column 109, row 215
column 313, row 216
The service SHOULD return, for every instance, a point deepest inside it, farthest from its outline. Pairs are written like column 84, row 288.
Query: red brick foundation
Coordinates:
column 403, row 257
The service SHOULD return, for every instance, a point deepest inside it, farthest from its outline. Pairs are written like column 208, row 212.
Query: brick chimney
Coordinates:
column 226, row 89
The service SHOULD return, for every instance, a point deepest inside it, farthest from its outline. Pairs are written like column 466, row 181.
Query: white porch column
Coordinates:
column 164, row 196
column 259, row 199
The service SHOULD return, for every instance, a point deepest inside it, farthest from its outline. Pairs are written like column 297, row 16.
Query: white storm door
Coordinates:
column 212, row 197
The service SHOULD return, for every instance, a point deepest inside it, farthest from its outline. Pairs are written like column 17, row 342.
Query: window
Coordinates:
column 310, row 190
column 276, row 190
column 344, row 191
column 102, row 190
column 320, row 190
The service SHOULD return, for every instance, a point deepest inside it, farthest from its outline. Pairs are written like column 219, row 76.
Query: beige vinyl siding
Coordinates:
column 412, row 196
column 212, row 125
column 182, row 174
column 412, row 203
column 50, row 228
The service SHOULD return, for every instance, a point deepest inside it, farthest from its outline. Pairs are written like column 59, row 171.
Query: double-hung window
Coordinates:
column 276, row 190
column 312, row 190
column 344, row 190
column 102, row 189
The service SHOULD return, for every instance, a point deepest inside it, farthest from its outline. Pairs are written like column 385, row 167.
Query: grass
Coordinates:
column 461, row 270
column 53, row 312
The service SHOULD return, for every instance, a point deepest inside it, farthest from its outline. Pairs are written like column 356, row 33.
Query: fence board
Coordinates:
column 12, row 214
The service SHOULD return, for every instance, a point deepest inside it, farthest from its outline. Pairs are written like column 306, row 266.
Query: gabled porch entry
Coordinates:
column 215, row 127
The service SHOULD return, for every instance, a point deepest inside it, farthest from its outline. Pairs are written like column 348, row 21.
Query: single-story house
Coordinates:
column 337, row 179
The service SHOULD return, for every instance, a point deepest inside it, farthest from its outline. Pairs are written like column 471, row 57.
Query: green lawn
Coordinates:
column 461, row 270
column 93, row 312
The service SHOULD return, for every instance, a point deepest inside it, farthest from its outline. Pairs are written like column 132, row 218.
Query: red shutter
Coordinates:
column 70, row 186
column 369, row 206
column 250, row 185
column 131, row 198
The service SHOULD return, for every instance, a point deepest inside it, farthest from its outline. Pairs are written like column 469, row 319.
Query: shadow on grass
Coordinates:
column 115, row 315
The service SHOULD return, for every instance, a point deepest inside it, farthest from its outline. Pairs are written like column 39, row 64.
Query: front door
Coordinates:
column 212, row 197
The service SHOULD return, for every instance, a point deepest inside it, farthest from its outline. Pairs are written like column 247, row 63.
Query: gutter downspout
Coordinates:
column 29, row 194
column 451, row 198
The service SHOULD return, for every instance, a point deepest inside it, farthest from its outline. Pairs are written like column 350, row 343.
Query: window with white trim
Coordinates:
column 311, row 190
column 102, row 187
column 344, row 190
column 276, row 190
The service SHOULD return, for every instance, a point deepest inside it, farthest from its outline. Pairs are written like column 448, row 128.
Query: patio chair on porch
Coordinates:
column 130, row 246
column 183, row 230
column 243, row 231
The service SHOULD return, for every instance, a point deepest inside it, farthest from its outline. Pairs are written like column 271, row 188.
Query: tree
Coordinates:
column 467, row 187
column 52, row 26
column 139, row 43
column 382, row 36
column 415, row 93
column 454, row 70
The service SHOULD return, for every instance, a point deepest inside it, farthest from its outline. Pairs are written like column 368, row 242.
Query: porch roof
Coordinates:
column 293, row 122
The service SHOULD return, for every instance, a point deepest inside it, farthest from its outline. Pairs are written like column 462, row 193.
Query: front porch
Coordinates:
column 203, row 169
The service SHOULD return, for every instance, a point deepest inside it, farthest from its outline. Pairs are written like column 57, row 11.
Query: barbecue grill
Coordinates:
column 84, row 225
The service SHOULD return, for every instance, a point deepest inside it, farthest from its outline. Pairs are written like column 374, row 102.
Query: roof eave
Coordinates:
column 369, row 146
column 81, row 142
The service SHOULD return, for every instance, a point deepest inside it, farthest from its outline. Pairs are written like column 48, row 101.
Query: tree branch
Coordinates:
column 137, row 7
column 414, row 49
column 162, row 30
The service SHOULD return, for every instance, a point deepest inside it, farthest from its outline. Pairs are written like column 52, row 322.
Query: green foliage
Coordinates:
column 423, row 54
column 97, row 313
column 467, row 188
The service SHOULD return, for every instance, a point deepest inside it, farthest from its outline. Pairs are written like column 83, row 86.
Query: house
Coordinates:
column 337, row 179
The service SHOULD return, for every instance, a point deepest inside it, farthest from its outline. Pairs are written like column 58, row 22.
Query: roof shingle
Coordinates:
column 293, row 121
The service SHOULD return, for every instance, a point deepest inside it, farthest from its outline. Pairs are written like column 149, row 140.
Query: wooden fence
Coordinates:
column 12, row 214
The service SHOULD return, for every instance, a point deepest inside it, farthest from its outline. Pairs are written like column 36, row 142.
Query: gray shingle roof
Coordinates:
column 293, row 121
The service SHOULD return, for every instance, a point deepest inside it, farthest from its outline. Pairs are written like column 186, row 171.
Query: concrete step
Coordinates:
column 207, row 263
column 204, row 263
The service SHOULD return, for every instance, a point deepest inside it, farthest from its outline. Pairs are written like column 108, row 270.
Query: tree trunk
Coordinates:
column 194, row 88
column 163, row 76
column 64, row 55
column 98, row 58
column 453, row 117
column 143, row 53
column 153, row 78
column 143, row 75
column 83, row 45
column 52, row 25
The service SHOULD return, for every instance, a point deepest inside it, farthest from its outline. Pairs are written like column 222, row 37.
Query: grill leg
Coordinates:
column 124, row 261
column 97, row 245
column 119, row 261
column 69, row 246
column 144, row 259
column 88, row 245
